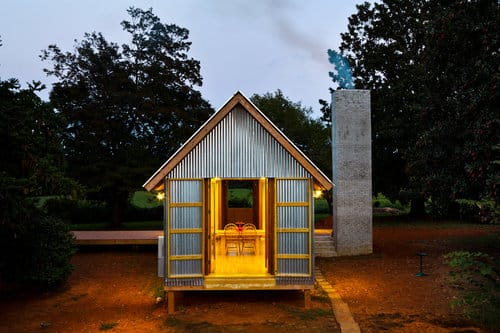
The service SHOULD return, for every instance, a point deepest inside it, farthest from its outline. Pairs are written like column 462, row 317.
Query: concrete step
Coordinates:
column 324, row 247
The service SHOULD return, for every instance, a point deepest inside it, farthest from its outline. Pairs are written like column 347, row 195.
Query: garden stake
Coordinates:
column 421, row 254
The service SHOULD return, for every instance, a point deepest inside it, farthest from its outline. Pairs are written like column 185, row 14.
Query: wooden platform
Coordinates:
column 136, row 237
column 117, row 237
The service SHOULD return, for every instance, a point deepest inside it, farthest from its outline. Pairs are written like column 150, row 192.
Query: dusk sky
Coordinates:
column 254, row 46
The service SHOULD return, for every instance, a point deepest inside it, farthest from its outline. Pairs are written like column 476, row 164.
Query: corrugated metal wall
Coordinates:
column 293, row 226
column 238, row 147
column 185, row 230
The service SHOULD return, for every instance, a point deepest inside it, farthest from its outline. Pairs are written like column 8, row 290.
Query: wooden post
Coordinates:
column 307, row 298
column 171, row 301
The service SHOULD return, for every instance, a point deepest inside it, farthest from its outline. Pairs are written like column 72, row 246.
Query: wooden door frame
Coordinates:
column 271, row 225
column 207, row 227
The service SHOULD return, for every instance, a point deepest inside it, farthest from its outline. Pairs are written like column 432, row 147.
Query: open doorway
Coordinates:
column 238, row 227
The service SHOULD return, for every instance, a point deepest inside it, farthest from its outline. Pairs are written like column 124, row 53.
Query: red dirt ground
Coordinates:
column 382, row 290
column 118, row 286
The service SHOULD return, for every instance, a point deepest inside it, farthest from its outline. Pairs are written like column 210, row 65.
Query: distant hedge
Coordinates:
column 86, row 211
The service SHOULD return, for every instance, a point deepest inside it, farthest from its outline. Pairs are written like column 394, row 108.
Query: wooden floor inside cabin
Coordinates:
column 239, row 264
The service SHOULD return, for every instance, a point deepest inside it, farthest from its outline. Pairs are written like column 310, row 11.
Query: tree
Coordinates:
column 127, row 108
column 34, row 248
column 421, row 62
column 384, row 45
column 31, row 151
column 452, row 159
column 310, row 135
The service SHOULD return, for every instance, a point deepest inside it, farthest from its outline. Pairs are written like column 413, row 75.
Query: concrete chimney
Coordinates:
column 352, row 172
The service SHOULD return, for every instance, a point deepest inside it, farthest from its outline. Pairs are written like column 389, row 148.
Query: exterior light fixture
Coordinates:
column 160, row 196
column 317, row 193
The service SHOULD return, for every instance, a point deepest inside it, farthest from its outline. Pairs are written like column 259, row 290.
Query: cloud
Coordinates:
column 290, row 33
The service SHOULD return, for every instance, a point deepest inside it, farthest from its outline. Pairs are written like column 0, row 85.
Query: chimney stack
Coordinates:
column 352, row 172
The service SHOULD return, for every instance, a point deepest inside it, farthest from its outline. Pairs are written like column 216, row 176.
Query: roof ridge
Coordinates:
column 238, row 97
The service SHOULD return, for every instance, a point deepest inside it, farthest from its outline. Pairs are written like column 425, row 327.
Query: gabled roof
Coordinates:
column 156, row 180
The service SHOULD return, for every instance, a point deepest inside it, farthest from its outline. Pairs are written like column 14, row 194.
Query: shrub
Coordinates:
column 75, row 212
column 486, row 210
column 62, row 208
column 107, row 326
column 35, row 248
column 321, row 206
column 40, row 253
column 382, row 201
column 50, row 248
column 476, row 276
column 133, row 213
column 92, row 211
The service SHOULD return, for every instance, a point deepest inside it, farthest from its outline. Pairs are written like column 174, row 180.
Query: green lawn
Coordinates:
column 143, row 199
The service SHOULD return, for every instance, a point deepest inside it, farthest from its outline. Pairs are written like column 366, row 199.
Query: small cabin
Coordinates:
column 239, row 207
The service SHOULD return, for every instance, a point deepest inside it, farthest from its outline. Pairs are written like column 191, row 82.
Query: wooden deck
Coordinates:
column 137, row 237
column 117, row 237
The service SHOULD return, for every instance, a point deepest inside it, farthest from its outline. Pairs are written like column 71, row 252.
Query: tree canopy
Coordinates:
column 126, row 107
column 432, row 68
column 34, row 248
column 31, row 150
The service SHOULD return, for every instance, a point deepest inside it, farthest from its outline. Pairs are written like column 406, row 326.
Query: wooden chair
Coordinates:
column 249, row 239
column 232, row 239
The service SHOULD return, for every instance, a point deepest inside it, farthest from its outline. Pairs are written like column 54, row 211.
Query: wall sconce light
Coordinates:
column 317, row 194
column 160, row 196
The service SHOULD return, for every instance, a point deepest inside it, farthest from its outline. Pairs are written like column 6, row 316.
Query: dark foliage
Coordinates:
column 81, row 212
column 127, row 107
column 35, row 249
column 30, row 136
column 476, row 276
column 432, row 68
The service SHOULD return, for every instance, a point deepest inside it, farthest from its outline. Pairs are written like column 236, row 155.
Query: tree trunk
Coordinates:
column 119, row 203
column 417, row 208
column 116, row 215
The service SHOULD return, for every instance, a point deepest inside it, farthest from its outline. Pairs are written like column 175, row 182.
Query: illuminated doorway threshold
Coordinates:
column 263, row 281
